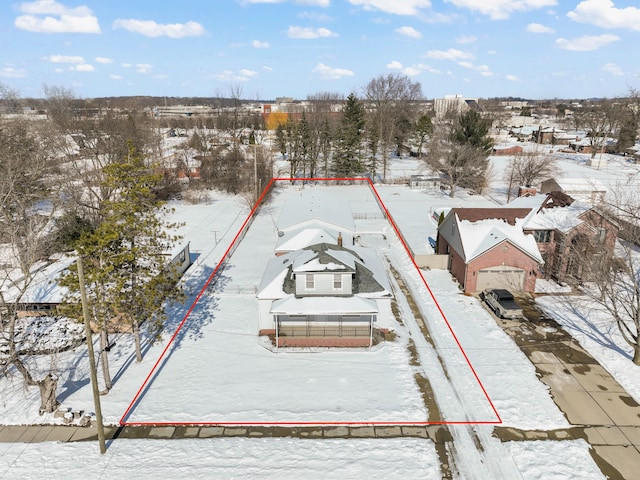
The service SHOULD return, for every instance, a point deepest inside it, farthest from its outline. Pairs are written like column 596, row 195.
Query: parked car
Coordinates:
column 432, row 242
column 503, row 304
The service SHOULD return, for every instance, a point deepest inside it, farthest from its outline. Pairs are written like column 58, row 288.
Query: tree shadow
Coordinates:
column 573, row 317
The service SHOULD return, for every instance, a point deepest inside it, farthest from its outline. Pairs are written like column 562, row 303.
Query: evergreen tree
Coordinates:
column 347, row 157
column 126, row 269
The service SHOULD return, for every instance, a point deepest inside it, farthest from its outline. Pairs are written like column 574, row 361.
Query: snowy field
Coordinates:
column 219, row 370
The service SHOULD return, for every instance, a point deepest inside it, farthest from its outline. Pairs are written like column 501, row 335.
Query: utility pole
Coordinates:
column 92, row 358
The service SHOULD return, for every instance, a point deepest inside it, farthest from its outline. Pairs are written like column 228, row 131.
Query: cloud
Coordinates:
column 451, row 54
column 397, row 7
column 330, row 73
column 315, row 16
column 586, row 43
column 49, row 16
column 103, row 60
column 411, row 71
column 539, row 28
column 482, row 69
column 149, row 28
column 512, row 78
column 113, row 76
column 259, row 44
column 314, row 3
column 64, row 59
column 501, row 9
column 10, row 72
column 243, row 75
column 613, row 69
column 83, row 67
column 466, row 39
column 603, row 13
column 409, row 32
column 143, row 68
column 310, row 33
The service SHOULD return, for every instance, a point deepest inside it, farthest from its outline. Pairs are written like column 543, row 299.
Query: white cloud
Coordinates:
column 113, row 76
column 83, row 67
column 451, row 54
column 501, row 9
column 331, row 73
column 310, row 33
column 586, row 43
column 231, row 76
column 248, row 73
column 482, row 69
column 103, row 60
column 539, row 28
column 512, row 78
column 267, row 68
column 315, row 16
column 411, row 71
column 64, row 59
column 409, row 32
column 126, row 65
column 315, row 3
column 160, row 76
column 10, row 72
column 259, row 44
column 149, row 28
column 613, row 69
column 143, row 68
column 49, row 16
column 603, row 13
column 398, row 7
column 394, row 65
column 466, row 39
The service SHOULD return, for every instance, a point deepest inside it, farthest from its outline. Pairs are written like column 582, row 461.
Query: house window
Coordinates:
column 601, row 236
column 542, row 236
column 337, row 281
column 309, row 283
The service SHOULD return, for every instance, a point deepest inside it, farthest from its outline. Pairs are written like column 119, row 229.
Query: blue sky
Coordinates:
column 269, row 48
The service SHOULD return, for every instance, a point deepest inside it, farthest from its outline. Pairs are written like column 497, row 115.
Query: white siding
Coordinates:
column 323, row 284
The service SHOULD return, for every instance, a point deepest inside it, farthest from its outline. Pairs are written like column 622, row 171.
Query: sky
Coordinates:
column 265, row 49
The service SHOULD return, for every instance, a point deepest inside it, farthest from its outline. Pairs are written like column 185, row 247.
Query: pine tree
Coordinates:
column 126, row 269
column 347, row 157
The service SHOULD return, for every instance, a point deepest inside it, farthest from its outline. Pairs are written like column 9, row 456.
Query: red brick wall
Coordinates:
column 512, row 257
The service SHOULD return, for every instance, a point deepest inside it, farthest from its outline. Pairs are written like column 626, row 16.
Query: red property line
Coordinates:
column 136, row 398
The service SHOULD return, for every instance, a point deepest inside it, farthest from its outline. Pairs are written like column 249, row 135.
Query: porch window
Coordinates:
column 337, row 281
column 309, row 283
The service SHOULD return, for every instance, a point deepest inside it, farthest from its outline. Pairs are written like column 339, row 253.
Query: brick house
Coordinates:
column 568, row 234
column 488, row 248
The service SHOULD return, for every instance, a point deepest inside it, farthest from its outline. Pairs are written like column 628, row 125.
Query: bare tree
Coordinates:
column 26, row 210
column 600, row 120
column 392, row 102
column 525, row 169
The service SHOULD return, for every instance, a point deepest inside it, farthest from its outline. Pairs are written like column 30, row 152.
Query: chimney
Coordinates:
column 339, row 239
column 526, row 191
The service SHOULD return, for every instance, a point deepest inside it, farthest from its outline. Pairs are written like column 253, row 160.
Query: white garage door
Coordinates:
column 511, row 278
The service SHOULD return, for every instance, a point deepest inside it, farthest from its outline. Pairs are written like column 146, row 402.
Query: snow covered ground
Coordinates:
column 219, row 370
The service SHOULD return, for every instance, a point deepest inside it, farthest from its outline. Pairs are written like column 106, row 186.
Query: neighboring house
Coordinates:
column 43, row 295
column 312, row 218
column 487, row 248
column 585, row 190
column 324, row 295
column 569, row 234
column 425, row 182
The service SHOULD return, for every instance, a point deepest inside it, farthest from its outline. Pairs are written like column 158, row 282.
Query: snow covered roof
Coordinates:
column 314, row 206
column 562, row 219
column 290, row 305
column 482, row 235
column 303, row 237
column 370, row 277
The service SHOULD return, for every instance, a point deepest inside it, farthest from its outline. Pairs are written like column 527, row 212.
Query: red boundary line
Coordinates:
column 266, row 190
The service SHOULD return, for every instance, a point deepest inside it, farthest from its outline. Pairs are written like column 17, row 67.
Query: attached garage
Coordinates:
column 502, row 276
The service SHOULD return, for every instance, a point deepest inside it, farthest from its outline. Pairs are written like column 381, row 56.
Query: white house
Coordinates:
column 325, row 295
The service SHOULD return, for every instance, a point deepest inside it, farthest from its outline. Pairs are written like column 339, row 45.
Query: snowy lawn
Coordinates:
column 275, row 458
